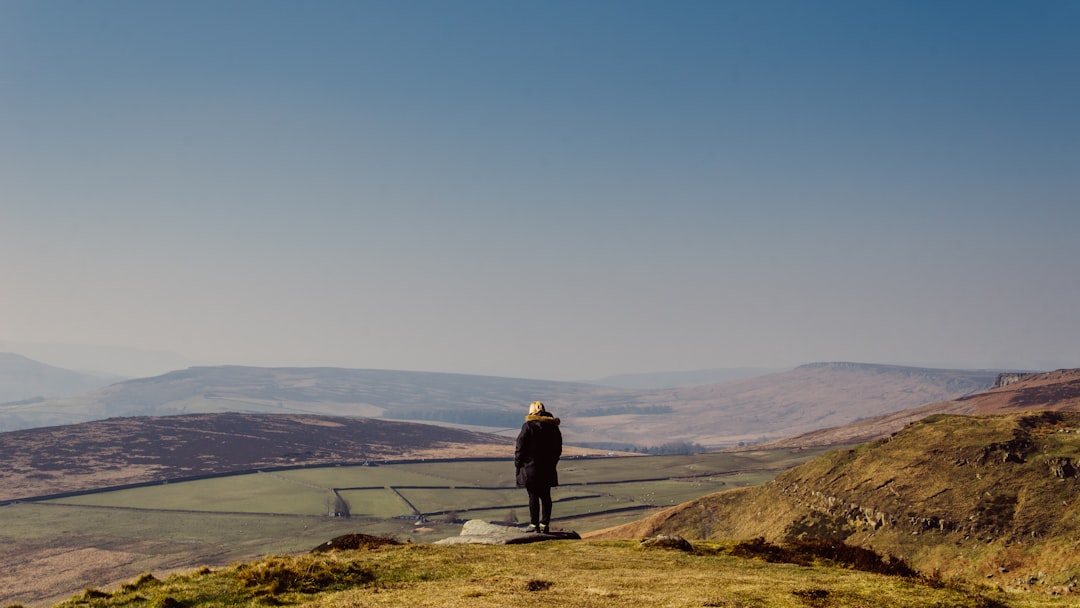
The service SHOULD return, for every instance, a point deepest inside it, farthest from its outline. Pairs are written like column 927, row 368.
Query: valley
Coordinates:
column 104, row 538
column 960, row 498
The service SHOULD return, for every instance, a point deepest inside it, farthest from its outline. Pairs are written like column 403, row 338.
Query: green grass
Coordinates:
column 436, row 499
column 255, row 493
column 375, row 503
column 360, row 476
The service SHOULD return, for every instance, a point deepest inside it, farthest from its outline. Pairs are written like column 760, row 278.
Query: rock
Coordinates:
column 480, row 532
column 353, row 542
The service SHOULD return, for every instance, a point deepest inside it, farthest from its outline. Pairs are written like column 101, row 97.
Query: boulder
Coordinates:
column 480, row 532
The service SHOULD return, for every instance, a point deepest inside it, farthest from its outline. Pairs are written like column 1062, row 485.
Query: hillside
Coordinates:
column 991, row 497
column 1053, row 391
column 715, row 415
column 136, row 450
column 23, row 379
column 435, row 397
column 783, row 404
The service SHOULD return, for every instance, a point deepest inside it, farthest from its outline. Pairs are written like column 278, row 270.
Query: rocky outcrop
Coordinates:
column 479, row 532
column 1007, row 378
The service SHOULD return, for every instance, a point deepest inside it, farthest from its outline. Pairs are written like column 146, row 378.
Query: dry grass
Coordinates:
column 581, row 574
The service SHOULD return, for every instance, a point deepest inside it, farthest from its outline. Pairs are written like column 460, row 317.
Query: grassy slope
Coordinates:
column 974, row 497
column 581, row 574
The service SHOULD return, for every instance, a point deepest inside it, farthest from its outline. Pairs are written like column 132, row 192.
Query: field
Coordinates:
column 56, row 548
column 589, row 487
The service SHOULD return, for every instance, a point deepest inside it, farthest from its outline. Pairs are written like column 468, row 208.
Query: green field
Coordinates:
column 468, row 489
column 255, row 493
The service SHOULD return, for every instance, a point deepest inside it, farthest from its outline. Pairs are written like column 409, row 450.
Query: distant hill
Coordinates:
column 772, row 406
column 1012, row 392
column 739, row 411
column 113, row 361
column 134, row 450
column 656, row 380
column 989, row 497
column 487, row 401
column 23, row 379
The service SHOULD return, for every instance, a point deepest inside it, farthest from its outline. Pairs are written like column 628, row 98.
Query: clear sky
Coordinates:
column 558, row 190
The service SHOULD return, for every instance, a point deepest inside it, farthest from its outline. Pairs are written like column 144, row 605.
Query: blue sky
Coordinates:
column 559, row 190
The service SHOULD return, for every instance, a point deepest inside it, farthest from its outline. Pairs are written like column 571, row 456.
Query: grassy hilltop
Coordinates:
column 579, row 574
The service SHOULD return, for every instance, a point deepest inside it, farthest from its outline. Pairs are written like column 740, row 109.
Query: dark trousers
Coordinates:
column 539, row 504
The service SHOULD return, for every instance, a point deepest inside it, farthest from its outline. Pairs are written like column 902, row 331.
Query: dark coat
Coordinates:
column 539, row 446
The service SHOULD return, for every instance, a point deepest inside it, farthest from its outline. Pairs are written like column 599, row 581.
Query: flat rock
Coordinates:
column 480, row 532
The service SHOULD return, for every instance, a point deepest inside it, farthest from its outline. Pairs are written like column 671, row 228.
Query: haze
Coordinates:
column 559, row 190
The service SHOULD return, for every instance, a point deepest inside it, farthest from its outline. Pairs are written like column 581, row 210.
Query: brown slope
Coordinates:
column 976, row 497
column 1050, row 391
column 134, row 450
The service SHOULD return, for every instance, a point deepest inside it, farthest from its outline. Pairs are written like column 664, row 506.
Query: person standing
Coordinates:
column 536, row 455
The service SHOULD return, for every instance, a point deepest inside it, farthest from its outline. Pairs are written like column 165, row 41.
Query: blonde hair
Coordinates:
column 536, row 407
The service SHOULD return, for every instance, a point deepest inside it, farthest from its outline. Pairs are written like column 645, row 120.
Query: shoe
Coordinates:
column 532, row 528
column 543, row 529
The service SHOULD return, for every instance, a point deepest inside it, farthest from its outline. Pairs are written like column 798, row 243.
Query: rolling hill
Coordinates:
column 987, row 497
column 715, row 415
column 23, row 379
column 434, row 397
column 660, row 380
column 783, row 404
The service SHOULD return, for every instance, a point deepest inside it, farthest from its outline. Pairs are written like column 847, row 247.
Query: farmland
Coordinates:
column 421, row 490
